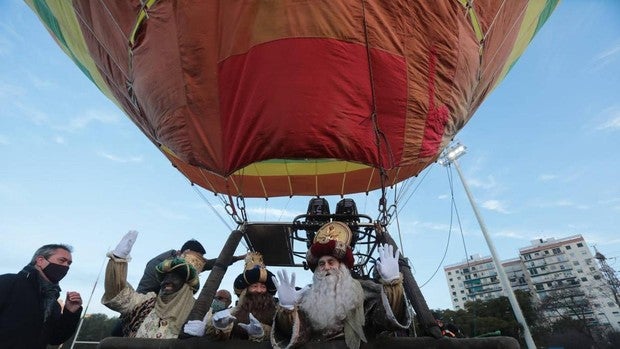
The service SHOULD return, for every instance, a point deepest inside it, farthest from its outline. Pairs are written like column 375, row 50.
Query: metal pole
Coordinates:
column 503, row 279
column 203, row 303
column 77, row 332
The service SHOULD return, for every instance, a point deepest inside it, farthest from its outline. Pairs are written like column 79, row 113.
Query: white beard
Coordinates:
column 330, row 298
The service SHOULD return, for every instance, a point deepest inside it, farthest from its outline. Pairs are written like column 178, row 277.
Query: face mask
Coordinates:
column 217, row 305
column 55, row 272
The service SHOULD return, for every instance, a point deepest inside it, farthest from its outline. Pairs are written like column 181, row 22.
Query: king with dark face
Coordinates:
column 152, row 315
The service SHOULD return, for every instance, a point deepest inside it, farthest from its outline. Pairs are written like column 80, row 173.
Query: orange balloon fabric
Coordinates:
column 282, row 98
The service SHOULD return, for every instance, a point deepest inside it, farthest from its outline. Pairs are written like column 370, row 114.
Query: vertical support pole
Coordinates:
column 503, row 279
column 425, row 317
column 203, row 303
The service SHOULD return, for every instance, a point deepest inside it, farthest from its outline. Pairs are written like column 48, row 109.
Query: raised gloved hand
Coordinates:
column 196, row 328
column 387, row 265
column 254, row 328
column 287, row 295
column 123, row 248
column 222, row 319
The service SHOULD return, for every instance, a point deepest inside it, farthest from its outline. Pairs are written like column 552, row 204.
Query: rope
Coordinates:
column 379, row 135
column 416, row 188
column 400, row 237
column 445, row 252
column 212, row 207
column 508, row 34
column 493, row 21
column 458, row 217
column 77, row 332
column 284, row 210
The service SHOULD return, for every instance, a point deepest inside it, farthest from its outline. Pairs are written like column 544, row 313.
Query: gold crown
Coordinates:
column 337, row 231
column 253, row 259
column 194, row 259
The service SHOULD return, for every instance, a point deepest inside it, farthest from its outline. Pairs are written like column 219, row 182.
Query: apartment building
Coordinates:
column 562, row 273
column 475, row 278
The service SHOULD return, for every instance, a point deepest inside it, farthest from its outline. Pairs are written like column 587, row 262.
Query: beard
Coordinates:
column 333, row 295
column 261, row 305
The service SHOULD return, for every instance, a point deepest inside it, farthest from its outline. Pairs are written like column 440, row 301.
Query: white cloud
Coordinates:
column 560, row 203
column 33, row 114
column 170, row 215
column 169, row 212
column 512, row 234
column 419, row 226
column 495, row 205
column 274, row 213
column 5, row 46
column 609, row 201
column 38, row 82
column 443, row 197
column 545, row 177
column 489, row 183
column 600, row 239
column 10, row 91
column 116, row 158
column 611, row 124
column 607, row 56
column 59, row 139
column 611, row 119
column 88, row 117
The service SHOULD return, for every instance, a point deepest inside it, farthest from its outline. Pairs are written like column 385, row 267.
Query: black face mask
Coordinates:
column 55, row 272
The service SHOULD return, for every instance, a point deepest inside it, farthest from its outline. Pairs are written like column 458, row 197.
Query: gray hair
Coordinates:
column 47, row 250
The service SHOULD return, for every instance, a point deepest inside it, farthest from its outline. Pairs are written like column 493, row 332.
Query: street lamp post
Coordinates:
column 450, row 156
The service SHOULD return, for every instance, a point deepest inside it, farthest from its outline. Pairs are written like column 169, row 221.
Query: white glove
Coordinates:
column 388, row 263
column 196, row 328
column 222, row 319
column 123, row 248
column 254, row 328
column 287, row 295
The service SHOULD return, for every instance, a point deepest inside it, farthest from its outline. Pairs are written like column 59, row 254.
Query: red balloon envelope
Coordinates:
column 281, row 98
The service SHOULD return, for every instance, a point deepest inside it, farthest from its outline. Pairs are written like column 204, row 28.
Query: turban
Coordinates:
column 254, row 272
column 186, row 266
column 332, row 239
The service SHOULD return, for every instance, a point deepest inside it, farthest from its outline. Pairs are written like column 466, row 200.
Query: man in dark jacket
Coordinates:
column 30, row 315
column 150, row 282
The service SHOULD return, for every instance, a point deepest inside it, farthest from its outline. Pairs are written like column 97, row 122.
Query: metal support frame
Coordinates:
column 366, row 237
column 201, row 307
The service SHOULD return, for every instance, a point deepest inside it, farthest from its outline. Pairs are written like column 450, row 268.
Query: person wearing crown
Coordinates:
column 336, row 305
column 152, row 315
column 252, row 316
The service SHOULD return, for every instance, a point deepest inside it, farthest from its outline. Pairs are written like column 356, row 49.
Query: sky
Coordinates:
column 542, row 162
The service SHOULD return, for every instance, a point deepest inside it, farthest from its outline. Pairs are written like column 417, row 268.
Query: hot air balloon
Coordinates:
column 278, row 98
column 296, row 97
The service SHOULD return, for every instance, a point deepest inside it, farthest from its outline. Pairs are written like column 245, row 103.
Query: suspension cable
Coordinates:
column 379, row 135
column 445, row 252
column 458, row 217
column 212, row 207
column 395, row 205
column 414, row 189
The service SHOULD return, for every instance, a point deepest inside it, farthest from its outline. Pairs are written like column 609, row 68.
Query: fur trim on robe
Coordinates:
column 385, row 310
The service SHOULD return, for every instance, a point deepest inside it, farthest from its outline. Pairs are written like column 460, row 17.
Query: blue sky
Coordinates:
column 542, row 162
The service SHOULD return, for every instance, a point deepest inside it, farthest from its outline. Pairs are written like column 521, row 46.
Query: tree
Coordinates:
column 94, row 328
column 488, row 316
